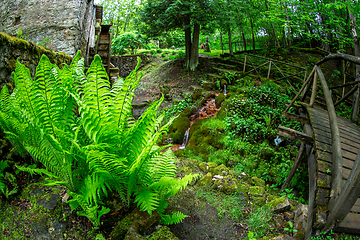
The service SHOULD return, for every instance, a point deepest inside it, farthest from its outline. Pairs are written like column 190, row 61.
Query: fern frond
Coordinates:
column 75, row 60
column 176, row 218
column 39, row 171
column 123, row 100
column 147, row 200
column 97, row 90
column 180, row 184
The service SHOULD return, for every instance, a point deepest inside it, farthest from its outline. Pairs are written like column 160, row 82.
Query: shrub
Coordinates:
column 128, row 40
column 83, row 132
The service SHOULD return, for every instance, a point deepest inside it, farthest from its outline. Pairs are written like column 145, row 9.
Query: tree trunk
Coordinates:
column 243, row 35
column 252, row 32
column 355, row 36
column 221, row 43
column 194, row 55
column 187, row 46
column 230, row 43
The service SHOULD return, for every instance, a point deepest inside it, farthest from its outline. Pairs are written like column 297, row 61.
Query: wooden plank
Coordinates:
column 325, row 156
column 325, row 167
column 328, row 148
column 348, row 196
column 346, row 134
column 356, row 207
column 312, row 194
column 342, row 125
column 295, row 135
column 350, row 224
column 323, row 196
column 347, row 147
column 296, row 117
column 321, row 112
column 349, row 141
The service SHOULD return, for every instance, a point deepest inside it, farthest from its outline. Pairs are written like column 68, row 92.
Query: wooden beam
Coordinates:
column 312, row 195
column 268, row 75
column 314, row 88
column 289, row 64
column 296, row 117
column 336, row 171
column 346, row 96
column 295, row 135
column 355, row 105
column 348, row 196
column 279, row 70
column 254, row 68
column 347, row 84
column 338, row 55
column 294, row 167
column 298, row 94
column 245, row 63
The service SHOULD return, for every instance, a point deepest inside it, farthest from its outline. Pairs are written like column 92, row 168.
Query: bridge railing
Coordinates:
column 342, row 198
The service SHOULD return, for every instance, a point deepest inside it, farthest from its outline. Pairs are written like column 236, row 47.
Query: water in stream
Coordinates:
column 206, row 111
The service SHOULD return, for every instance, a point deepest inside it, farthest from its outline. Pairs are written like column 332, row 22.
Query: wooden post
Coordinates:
column 346, row 96
column 336, row 171
column 355, row 105
column 306, row 89
column 343, row 75
column 269, row 70
column 298, row 94
column 313, row 94
column 254, row 68
column 279, row 70
column 293, row 169
column 245, row 63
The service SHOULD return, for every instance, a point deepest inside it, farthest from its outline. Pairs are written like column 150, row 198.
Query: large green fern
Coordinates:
column 82, row 130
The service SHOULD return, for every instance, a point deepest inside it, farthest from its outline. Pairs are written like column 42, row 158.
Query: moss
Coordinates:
column 121, row 229
column 188, row 111
column 220, row 169
column 197, row 94
column 258, row 182
column 276, row 202
column 206, row 180
column 163, row 233
column 178, row 128
column 256, row 190
column 219, row 99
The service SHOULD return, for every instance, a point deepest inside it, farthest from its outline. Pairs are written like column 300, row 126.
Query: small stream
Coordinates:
column 208, row 110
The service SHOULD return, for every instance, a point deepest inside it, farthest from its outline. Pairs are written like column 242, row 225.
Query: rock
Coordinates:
column 256, row 191
column 224, row 173
column 282, row 206
column 243, row 174
column 217, row 177
column 207, row 85
column 178, row 128
column 133, row 235
column 219, row 169
column 138, row 220
column 300, row 219
column 206, row 180
column 49, row 202
column 163, row 233
column 219, row 99
column 258, row 182
column 172, row 47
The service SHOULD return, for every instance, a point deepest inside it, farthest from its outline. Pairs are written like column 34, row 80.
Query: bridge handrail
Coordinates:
column 336, row 165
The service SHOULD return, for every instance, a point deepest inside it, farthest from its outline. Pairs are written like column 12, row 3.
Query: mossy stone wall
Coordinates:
column 126, row 64
column 12, row 48
column 61, row 25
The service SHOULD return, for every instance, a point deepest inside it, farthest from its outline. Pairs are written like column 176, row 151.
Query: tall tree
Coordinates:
column 161, row 16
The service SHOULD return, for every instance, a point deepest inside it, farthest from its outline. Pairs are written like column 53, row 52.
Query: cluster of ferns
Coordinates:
column 81, row 130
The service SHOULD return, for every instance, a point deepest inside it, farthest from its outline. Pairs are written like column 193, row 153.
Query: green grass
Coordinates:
column 213, row 53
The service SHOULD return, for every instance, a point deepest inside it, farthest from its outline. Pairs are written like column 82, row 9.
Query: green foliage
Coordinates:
column 290, row 229
column 7, row 177
column 128, row 40
column 82, row 130
column 259, row 221
column 178, row 108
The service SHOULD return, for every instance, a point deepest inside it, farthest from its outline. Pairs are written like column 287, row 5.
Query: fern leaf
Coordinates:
column 75, row 60
column 176, row 218
column 147, row 200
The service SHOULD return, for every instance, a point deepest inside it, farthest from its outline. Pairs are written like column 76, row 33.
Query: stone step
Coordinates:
column 212, row 75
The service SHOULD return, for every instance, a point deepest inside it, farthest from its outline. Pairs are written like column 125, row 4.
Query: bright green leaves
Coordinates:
column 98, row 151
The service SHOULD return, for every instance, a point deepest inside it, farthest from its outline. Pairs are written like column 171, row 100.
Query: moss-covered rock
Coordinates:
column 258, row 182
column 138, row 220
column 133, row 235
column 221, row 170
column 188, row 111
column 256, row 191
column 163, row 233
column 178, row 128
column 206, row 180
column 197, row 94
column 219, row 99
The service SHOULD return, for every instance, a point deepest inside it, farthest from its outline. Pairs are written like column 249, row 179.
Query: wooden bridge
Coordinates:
column 332, row 145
